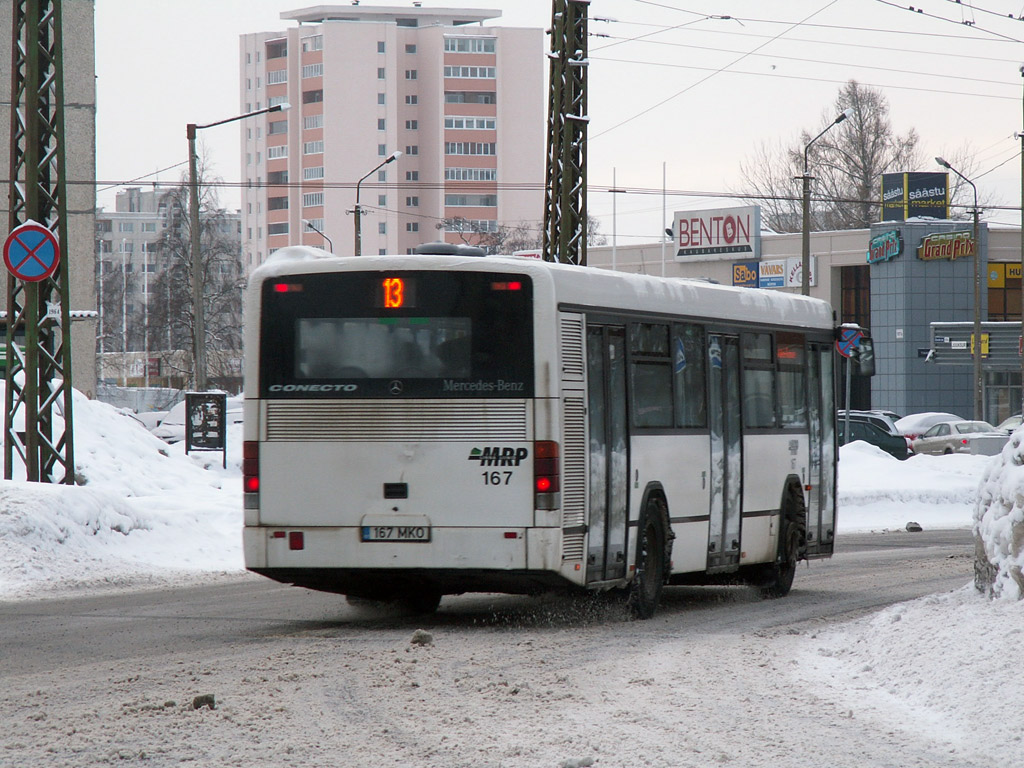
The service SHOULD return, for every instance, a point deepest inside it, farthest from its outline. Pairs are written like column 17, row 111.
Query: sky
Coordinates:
column 945, row 666
column 679, row 95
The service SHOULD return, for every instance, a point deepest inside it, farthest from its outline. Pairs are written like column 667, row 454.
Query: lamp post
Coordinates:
column 357, row 210
column 124, row 313
column 1021, row 137
column 978, row 383
column 199, row 319
column 309, row 224
column 805, row 263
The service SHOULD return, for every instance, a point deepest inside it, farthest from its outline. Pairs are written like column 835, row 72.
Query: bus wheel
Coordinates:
column 778, row 577
column 645, row 589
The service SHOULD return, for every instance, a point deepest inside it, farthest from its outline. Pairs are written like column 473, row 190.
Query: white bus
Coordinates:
column 424, row 425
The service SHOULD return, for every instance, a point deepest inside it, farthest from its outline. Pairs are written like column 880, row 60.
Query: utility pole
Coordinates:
column 38, row 353
column 565, row 203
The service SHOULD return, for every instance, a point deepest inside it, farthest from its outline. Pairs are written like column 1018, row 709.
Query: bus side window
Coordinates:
column 651, row 375
column 688, row 371
column 758, row 381
column 792, row 375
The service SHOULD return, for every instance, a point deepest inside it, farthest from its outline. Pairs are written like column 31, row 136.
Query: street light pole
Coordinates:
column 198, row 311
column 309, row 224
column 358, row 211
column 805, row 262
column 978, row 381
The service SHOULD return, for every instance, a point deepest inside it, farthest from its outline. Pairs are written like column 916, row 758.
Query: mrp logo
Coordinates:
column 498, row 456
column 744, row 274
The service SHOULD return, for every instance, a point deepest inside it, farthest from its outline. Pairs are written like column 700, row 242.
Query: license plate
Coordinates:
column 415, row 533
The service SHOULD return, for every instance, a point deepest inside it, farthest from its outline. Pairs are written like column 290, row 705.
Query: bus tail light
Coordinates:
column 546, row 484
column 251, row 473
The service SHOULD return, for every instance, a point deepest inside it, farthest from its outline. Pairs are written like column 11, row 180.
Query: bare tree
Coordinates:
column 847, row 164
column 524, row 236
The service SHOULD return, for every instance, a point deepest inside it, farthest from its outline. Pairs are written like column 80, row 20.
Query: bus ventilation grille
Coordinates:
column 397, row 421
column 574, row 477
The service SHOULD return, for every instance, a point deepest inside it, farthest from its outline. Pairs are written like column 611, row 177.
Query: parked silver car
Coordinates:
column 953, row 436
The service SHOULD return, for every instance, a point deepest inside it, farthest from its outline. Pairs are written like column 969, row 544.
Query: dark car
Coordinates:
column 894, row 445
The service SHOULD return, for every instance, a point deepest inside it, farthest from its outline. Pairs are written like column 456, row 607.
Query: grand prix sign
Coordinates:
column 718, row 233
column 946, row 245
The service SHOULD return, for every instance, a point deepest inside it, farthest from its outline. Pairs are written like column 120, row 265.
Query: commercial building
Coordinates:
column 78, row 53
column 464, row 103
column 911, row 283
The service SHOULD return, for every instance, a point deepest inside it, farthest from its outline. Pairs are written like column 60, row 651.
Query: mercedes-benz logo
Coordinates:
column 395, row 387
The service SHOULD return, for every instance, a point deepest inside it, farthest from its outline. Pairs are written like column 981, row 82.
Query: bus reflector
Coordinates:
column 296, row 540
column 545, row 474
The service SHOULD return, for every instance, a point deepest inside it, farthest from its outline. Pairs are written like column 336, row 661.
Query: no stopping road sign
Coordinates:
column 31, row 252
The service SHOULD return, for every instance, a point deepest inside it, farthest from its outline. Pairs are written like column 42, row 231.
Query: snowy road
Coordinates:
column 300, row 679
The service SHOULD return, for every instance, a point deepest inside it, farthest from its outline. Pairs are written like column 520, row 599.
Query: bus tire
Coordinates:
column 778, row 577
column 422, row 601
column 644, row 592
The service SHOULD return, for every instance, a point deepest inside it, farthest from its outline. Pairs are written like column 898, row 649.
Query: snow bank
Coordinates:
column 878, row 492
column 142, row 512
column 999, row 524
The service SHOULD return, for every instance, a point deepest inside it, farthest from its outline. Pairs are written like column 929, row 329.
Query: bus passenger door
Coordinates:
column 609, row 456
column 726, row 451
column 821, row 412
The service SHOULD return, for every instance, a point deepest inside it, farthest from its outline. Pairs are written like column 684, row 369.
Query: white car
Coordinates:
column 916, row 424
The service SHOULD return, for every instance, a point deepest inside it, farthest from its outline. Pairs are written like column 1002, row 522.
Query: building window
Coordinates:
column 471, row 201
column 471, row 73
column 277, row 177
column 382, row 176
column 469, row 45
column 412, row 125
column 382, row 150
column 460, row 224
column 382, row 200
column 148, row 226
column 470, row 174
column 313, row 147
column 314, row 224
column 312, row 199
column 316, row 172
column 275, row 153
column 410, row 74
column 381, row 73
column 382, row 227
column 277, row 76
column 382, row 124
column 312, row 97
column 277, row 203
column 125, row 226
column 412, row 149
column 313, row 70
column 470, row 97
column 381, row 99
column 280, row 228
column 412, row 99
column 381, row 46
column 313, row 121
column 412, row 202
column 412, row 226
column 412, row 175
column 407, row 22
column 469, row 148
column 277, row 49
column 277, row 127
column 410, row 48
column 471, row 123
column 313, row 43
column 273, row 101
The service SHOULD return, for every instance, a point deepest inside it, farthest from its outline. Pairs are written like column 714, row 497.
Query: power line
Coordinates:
column 921, row 12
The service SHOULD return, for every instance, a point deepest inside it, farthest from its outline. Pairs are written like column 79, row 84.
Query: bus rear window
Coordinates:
column 397, row 334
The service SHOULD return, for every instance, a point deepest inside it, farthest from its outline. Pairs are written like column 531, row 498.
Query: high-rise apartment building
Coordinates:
column 464, row 103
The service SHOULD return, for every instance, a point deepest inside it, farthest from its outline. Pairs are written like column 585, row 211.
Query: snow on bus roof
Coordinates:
column 584, row 285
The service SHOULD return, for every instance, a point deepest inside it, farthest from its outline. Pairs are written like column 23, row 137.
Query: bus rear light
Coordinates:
column 287, row 287
column 545, row 474
column 514, row 285
column 251, row 466
column 296, row 540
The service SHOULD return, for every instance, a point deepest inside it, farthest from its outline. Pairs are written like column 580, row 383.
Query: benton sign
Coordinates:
column 907, row 195
column 722, row 232
column 947, row 245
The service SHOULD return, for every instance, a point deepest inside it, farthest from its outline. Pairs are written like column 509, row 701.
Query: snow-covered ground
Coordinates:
column 148, row 515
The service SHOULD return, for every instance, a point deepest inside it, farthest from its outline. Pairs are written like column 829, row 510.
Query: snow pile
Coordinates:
column 999, row 524
column 878, row 492
column 142, row 511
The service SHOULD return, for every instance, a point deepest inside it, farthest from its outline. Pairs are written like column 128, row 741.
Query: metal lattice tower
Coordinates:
column 38, row 356
column 565, row 201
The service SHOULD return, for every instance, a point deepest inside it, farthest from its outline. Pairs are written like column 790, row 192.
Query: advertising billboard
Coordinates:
column 725, row 233
column 909, row 195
